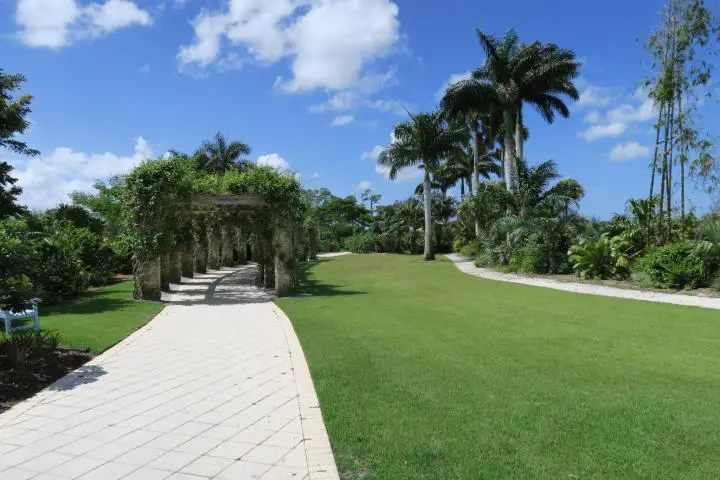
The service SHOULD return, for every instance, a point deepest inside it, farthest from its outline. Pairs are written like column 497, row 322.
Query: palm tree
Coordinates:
column 515, row 74
column 218, row 155
column 423, row 142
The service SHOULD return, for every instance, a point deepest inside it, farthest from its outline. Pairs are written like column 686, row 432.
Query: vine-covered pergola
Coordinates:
column 186, row 221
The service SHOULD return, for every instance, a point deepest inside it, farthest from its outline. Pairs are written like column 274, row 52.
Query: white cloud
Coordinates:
column 349, row 100
column 145, row 68
column 343, row 120
column 373, row 153
column 628, row 151
column 47, row 180
column 275, row 161
column 602, row 131
column 594, row 95
column 331, row 44
column 403, row 175
column 315, row 176
column 617, row 120
column 454, row 78
column 365, row 185
column 57, row 23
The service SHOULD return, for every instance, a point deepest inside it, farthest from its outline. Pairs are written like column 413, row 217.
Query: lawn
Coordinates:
column 425, row 372
column 99, row 319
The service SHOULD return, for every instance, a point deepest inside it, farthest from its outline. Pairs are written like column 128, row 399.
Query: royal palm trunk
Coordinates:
column 476, row 173
column 429, row 255
column 519, row 137
column 509, row 160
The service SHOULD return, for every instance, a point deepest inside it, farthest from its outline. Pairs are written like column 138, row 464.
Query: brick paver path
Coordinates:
column 216, row 386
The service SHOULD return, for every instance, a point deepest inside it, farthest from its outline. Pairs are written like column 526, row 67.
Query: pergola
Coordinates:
column 214, row 233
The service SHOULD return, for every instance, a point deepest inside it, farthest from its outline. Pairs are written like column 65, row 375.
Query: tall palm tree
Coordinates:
column 515, row 74
column 423, row 142
column 218, row 155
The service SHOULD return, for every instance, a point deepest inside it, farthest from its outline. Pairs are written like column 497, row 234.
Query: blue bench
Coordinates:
column 9, row 317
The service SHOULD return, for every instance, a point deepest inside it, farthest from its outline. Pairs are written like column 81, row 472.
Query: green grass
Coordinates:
column 424, row 372
column 99, row 319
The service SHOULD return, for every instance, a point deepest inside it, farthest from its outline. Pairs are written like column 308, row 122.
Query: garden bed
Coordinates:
column 45, row 366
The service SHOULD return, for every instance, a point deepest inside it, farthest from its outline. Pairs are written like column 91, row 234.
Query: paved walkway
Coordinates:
column 216, row 386
column 468, row 266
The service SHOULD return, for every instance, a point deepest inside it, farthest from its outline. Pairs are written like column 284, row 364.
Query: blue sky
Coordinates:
column 312, row 85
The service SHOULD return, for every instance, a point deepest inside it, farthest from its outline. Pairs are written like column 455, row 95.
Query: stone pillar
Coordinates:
column 284, row 258
column 258, row 248
column 269, row 280
column 147, row 279
column 175, row 266
column 213, row 256
column 188, row 262
column 241, row 247
column 165, row 272
column 227, row 247
column 200, row 258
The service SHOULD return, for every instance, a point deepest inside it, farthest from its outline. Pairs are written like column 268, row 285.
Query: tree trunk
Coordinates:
column 147, row 279
column 165, row 272
column 284, row 258
column 176, row 265
column 509, row 160
column 429, row 255
column 213, row 256
column 188, row 263
column 476, row 172
column 519, row 134
column 655, row 155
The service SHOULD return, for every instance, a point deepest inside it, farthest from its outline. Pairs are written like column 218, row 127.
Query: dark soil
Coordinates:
column 43, row 368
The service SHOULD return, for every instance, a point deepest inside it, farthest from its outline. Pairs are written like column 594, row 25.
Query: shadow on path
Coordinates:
column 229, row 286
column 82, row 376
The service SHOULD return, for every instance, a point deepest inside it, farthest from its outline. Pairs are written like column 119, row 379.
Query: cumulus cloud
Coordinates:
column 57, row 23
column 47, row 180
column 628, row 151
column 365, row 185
column 275, row 161
column 349, row 100
column 592, row 95
column 616, row 121
column 403, row 175
column 454, row 78
column 315, row 176
column 343, row 120
column 330, row 44
column 373, row 153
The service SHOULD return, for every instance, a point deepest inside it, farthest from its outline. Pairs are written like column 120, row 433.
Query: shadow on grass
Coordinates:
column 82, row 376
column 88, row 303
column 310, row 286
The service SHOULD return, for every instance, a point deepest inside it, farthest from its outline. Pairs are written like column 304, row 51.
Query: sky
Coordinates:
column 314, row 86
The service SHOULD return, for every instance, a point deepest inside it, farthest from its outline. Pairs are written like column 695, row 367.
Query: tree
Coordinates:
column 218, row 155
column 13, row 121
column 423, row 142
column 9, row 193
column 515, row 74
column 681, row 49
column 368, row 196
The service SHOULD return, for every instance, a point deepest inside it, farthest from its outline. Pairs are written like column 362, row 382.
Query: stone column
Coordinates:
column 200, row 258
column 188, row 262
column 258, row 249
column 165, row 272
column 175, row 266
column 147, row 279
column 284, row 258
column 227, row 247
column 241, row 247
column 213, row 256
column 269, row 280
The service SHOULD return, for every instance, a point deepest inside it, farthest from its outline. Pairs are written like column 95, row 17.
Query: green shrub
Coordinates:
column 484, row 259
column 682, row 265
column 604, row 257
column 528, row 259
column 362, row 243
column 469, row 250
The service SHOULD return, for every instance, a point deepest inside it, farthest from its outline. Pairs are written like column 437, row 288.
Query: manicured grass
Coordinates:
column 424, row 372
column 99, row 319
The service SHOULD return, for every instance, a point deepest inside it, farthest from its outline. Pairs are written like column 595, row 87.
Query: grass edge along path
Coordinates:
column 425, row 372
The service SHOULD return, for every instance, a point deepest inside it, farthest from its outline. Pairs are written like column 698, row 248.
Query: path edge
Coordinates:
column 320, row 458
column 468, row 267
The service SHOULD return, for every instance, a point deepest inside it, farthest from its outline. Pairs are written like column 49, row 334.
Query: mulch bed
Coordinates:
column 43, row 368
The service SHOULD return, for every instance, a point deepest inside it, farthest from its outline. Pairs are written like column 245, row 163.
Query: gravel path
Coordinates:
column 215, row 387
column 468, row 266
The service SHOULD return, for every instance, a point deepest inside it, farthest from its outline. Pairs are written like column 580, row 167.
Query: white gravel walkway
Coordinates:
column 468, row 266
column 215, row 387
